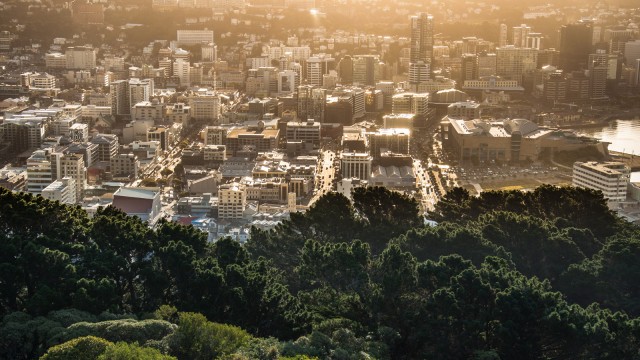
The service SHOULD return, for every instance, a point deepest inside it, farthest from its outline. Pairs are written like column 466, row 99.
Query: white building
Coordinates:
column 140, row 202
column 205, row 106
column 194, row 37
column 356, row 165
column 39, row 171
column 612, row 178
column 79, row 132
column 80, row 58
column 63, row 190
column 232, row 201
column 182, row 69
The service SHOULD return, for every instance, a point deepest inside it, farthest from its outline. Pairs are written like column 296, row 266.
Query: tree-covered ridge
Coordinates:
column 541, row 275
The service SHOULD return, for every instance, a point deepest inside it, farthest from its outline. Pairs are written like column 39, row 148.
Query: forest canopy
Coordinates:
column 548, row 274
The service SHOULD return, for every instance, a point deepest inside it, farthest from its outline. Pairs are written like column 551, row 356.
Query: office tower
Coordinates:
column 421, row 38
column 533, row 41
column 631, row 52
column 311, row 103
column 119, row 91
column 288, row 81
column 548, row 57
column 575, row 46
column 577, row 86
column 316, row 66
column 419, row 72
column 364, row 69
column 512, row 63
column 469, row 69
column 520, row 35
column 486, row 65
column 126, row 93
column 167, row 65
column 209, row 52
column 618, row 38
column 182, row 69
column 39, row 171
column 598, row 66
column 469, row 45
column 139, row 90
column 72, row 165
column 345, row 70
column 502, row 35
column 555, row 87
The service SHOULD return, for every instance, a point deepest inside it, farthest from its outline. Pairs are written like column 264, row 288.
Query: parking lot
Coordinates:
column 508, row 177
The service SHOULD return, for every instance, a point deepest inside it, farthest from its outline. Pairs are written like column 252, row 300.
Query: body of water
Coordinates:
column 624, row 136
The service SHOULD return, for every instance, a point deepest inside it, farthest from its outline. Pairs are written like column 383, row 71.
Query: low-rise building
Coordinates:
column 612, row 178
column 141, row 202
column 63, row 190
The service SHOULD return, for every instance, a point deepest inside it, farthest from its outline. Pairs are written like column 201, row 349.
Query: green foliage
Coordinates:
column 341, row 281
column 82, row 348
column 196, row 338
column 124, row 351
column 127, row 330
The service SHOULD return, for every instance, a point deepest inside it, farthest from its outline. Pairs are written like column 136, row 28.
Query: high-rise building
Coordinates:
column 419, row 72
column 72, row 165
column 631, row 52
column 232, row 201
column 520, row 35
column 421, row 38
column 311, row 103
column 512, row 62
column 126, row 93
column 410, row 103
column 316, row 67
column 205, row 106
column 555, row 87
column 469, row 68
column 288, row 81
column 182, row 69
column 393, row 140
column 209, row 52
column 533, row 41
column 598, row 66
column 502, row 35
column 119, row 91
column 107, row 146
column 575, row 46
column 39, row 171
column 364, row 69
column 485, row 65
column 345, row 70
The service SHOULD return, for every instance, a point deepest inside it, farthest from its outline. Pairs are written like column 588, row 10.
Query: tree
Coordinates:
column 124, row 351
column 196, row 338
column 122, row 255
column 81, row 348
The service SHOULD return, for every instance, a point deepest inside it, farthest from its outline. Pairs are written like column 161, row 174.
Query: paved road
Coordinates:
column 325, row 175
